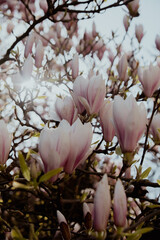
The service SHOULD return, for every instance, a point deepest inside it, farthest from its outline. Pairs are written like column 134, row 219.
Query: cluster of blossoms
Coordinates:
column 55, row 168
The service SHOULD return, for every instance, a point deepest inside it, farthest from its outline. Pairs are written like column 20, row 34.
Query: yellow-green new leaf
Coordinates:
column 145, row 173
column 24, row 168
column 50, row 174
column 16, row 234
column 158, row 181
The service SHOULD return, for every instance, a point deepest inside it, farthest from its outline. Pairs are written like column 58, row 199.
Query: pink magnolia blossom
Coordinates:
column 155, row 127
column 5, row 142
column 75, row 66
column 65, row 146
column 102, row 204
column 106, row 120
column 129, row 121
column 120, row 205
column 157, row 42
column 54, row 147
column 150, row 79
column 88, row 94
column 39, row 54
column 65, row 109
column 122, row 68
column 80, row 137
column 139, row 32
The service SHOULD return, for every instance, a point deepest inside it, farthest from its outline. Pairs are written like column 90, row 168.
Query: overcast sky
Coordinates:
column 149, row 16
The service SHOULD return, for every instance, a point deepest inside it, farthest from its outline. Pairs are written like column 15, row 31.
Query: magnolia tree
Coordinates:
column 80, row 124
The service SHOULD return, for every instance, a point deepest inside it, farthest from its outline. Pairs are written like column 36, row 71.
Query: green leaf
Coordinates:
column 118, row 151
column 23, row 165
column 145, row 173
column 50, row 174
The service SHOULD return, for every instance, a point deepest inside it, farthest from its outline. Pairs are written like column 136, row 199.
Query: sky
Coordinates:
column 112, row 19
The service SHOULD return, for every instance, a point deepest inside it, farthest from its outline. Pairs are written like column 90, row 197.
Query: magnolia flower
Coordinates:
column 88, row 94
column 65, row 109
column 5, row 142
column 80, row 137
column 75, row 66
column 150, row 79
column 129, row 120
column 102, row 204
column 122, row 68
column 139, row 32
column 54, row 147
column 155, row 128
column 65, row 146
column 157, row 42
column 120, row 205
column 106, row 120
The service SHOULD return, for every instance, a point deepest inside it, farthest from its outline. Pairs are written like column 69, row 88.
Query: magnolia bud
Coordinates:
column 120, row 205
column 139, row 32
column 75, row 66
column 39, row 54
column 65, row 231
column 157, row 42
column 126, row 22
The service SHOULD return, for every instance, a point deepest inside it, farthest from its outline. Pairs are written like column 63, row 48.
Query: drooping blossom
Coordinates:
column 157, row 42
column 122, row 68
column 150, row 79
column 129, row 120
column 106, row 120
column 5, row 142
column 119, row 205
column 102, row 204
column 65, row 146
column 65, row 109
column 155, row 128
column 139, row 32
column 88, row 94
